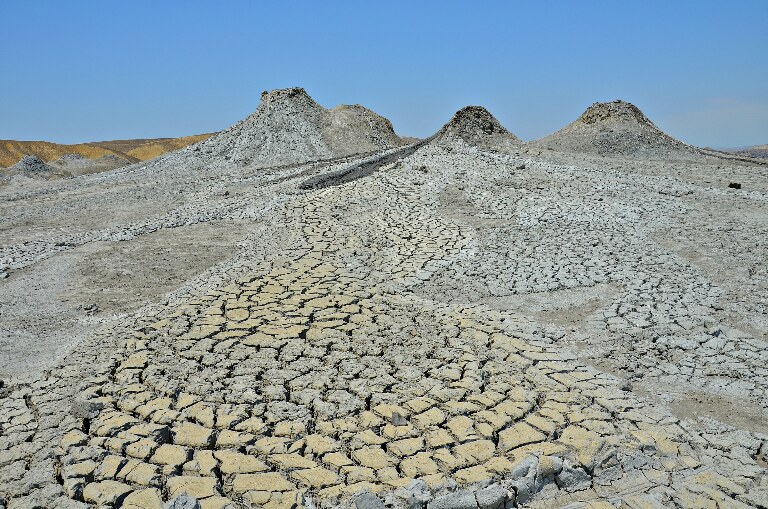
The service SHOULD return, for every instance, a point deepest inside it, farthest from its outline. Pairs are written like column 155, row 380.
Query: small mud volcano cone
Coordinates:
column 617, row 128
column 475, row 126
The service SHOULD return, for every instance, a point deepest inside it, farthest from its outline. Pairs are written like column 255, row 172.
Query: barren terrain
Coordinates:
column 289, row 314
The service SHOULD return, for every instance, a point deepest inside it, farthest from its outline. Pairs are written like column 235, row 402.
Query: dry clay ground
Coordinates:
column 460, row 329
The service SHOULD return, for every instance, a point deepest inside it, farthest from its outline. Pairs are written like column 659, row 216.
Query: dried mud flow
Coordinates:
column 334, row 319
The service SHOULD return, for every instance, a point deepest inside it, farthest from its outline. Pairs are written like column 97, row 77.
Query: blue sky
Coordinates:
column 95, row 70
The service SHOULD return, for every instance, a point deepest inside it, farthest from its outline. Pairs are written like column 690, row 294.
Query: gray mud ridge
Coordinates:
column 360, row 169
column 305, row 313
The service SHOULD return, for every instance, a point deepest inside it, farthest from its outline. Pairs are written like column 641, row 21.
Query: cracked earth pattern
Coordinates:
column 367, row 351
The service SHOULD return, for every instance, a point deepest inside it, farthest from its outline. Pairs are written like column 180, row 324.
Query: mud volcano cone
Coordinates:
column 290, row 127
column 616, row 128
column 32, row 165
column 475, row 126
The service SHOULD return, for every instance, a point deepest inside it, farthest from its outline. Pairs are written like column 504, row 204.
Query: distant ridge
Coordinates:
column 11, row 151
column 475, row 126
column 755, row 151
column 75, row 164
column 146, row 149
column 617, row 128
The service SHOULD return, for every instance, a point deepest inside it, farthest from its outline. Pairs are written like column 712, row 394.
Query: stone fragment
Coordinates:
column 517, row 435
column 388, row 412
column 183, row 501
column 319, row 444
column 439, row 438
column 368, row 501
column 192, row 435
column 372, row 457
column 217, row 503
column 85, row 409
column 272, row 481
column 397, row 419
column 291, row 461
column 143, row 499
column 316, row 477
column 406, row 447
column 199, row 487
column 415, row 495
column 525, row 479
column 432, row 417
column 419, row 465
column 355, row 474
column 572, row 478
column 168, row 454
column 106, row 492
column 462, row 427
column 493, row 497
column 475, row 452
column 233, row 462
column 462, row 499
column 473, row 474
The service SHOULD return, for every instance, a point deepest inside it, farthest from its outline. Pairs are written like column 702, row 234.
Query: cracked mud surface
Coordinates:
column 581, row 332
column 45, row 304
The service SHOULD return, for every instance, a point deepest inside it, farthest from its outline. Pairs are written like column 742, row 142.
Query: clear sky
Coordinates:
column 82, row 70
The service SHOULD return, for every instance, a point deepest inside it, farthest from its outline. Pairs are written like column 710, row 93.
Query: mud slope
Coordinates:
column 617, row 128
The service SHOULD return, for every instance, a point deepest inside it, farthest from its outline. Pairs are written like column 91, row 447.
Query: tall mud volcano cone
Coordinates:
column 617, row 128
column 290, row 127
column 475, row 126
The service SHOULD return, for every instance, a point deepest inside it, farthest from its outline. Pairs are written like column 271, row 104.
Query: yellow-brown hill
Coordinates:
column 144, row 150
column 11, row 151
